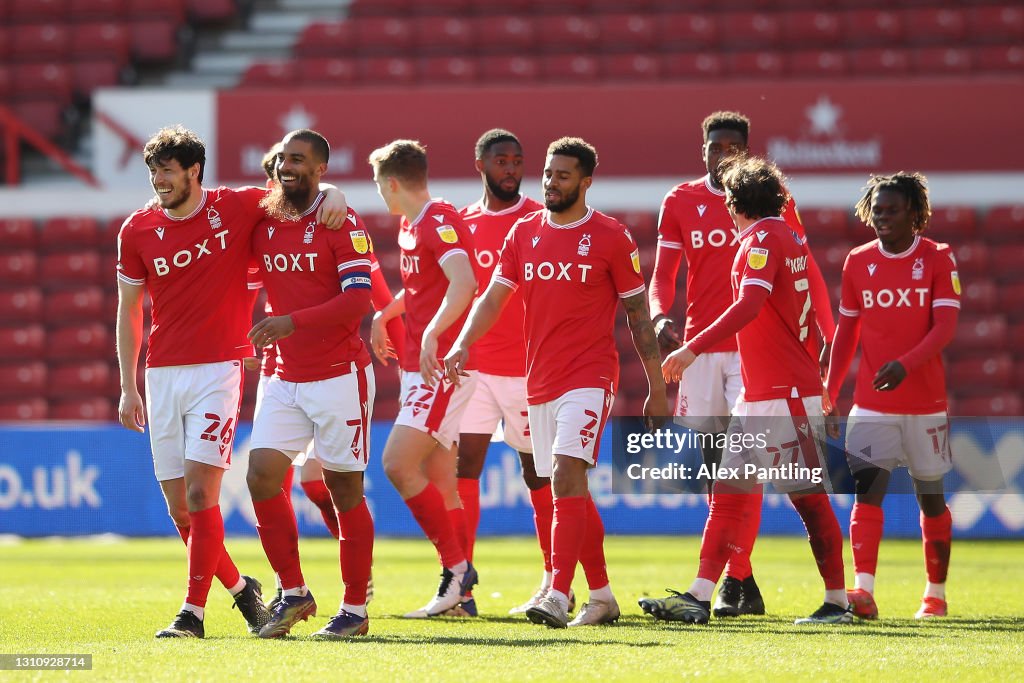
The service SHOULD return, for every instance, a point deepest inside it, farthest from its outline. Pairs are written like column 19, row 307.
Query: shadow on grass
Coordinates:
column 511, row 641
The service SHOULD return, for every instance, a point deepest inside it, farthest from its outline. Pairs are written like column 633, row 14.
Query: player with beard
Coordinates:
column 438, row 286
column 500, row 394
column 572, row 365
column 901, row 298
column 694, row 224
column 318, row 284
column 191, row 251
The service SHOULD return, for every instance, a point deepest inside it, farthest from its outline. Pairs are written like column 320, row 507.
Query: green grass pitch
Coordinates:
column 107, row 599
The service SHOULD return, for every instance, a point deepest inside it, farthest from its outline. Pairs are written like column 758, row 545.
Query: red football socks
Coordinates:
column 825, row 537
column 316, row 490
column 227, row 573
column 469, row 494
column 592, row 553
column 543, row 514
column 428, row 508
column 720, row 541
column 280, row 537
column 937, row 535
column 205, row 549
column 567, row 531
column 866, row 524
column 356, row 548
column 738, row 566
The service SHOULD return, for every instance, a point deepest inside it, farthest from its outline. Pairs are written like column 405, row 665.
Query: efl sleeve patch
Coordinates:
column 955, row 278
column 360, row 242
column 635, row 258
column 447, row 234
column 757, row 258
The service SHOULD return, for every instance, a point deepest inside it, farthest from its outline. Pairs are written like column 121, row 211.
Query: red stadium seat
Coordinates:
column 509, row 69
column 879, row 62
column 383, row 36
column 71, row 380
column 1006, row 264
column 569, row 33
column 750, row 30
column 444, row 35
column 757, row 64
column 70, row 267
column 971, row 257
column 981, row 333
column 693, row 65
column 570, row 68
column 88, row 76
column 327, row 71
column 1005, row 404
column 21, row 305
column 864, row 27
column 387, row 70
column 942, row 60
column 1011, row 299
column 27, row 341
column 6, row 79
column 643, row 225
column 40, row 43
column 831, row 257
column 628, row 32
column 52, row 81
column 16, row 233
column 825, row 225
column 1003, row 224
column 997, row 24
column 935, row 25
column 70, row 232
column 95, row 408
column 273, row 74
column 1016, row 336
column 999, row 58
column 18, row 267
column 24, row 11
column 327, row 39
column 97, row 10
column 21, row 380
column 981, row 296
column 687, row 32
column 89, row 341
column 154, row 42
column 212, row 11
column 75, row 305
column 448, row 70
column 818, row 63
column 983, row 373
column 631, row 67
column 381, row 222
column 170, row 11
column 109, row 40
column 382, row 8
column 20, row 410
column 511, row 35
column 811, row 29
column 952, row 223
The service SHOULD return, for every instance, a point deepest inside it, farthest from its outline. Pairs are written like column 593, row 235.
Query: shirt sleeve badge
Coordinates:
column 955, row 278
column 447, row 234
column 360, row 242
column 757, row 258
column 635, row 258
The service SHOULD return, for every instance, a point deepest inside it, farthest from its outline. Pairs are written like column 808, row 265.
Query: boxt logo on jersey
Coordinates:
column 185, row 257
column 546, row 270
column 821, row 144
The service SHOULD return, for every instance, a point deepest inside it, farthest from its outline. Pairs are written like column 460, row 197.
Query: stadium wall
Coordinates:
column 77, row 479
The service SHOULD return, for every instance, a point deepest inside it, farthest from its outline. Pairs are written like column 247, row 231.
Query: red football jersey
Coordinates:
column 305, row 265
column 571, row 278
column 774, row 358
column 502, row 351
column 434, row 236
column 195, row 270
column 893, row 295
column 694, row 218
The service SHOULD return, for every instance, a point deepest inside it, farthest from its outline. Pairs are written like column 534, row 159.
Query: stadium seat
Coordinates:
column 1005, row 404
column 70, row 267
column 643, row 225
column 109, row 40
column 154, row 41
column 72, row 380
column 70, row 232
column 24, row 11
column 21, row 305
column 87, row 341
column 569, row 68
column 802, row 30
column 40, row 43
column 6, row 79
column 1006, row 263
column 952, row 223
column 326, row 71
column 211, row 11
column 20, row 410
column 447, row 35
column 686, row 32
column 22, row 380
column 43, row 80
column 1002, row 224
column 824, row 226
column 756, row 65
column 97, row 10
column 971, row 257
column 817, row 64
column 95, row 408
column 169, row 11
column 879, row 62
column 981, row 333
column 448, row 70
column 17, row 233
column 750, row 30
column 942, row 60
column 569, row 33
column 998, row 58
column 997, row 24
column 935, row 25
column 383, row 8
column 383, row 36
column 509, row 69
column 18, row 267
column 1011, row 299
column 327, row 39
column 505, row 35
column 87, row 76
column 270, row 74
column 390, row 70
column 866, row 27
column 627, row 32
column 631, row 67
column 25, row 341
column 75, row 305
column 693, row 65
column 982, row 296
column 981, row 373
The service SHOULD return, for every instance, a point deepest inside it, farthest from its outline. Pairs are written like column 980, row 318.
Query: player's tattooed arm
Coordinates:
column 645, row 340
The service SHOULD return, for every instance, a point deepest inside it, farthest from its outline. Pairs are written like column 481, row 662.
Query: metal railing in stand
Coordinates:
column 15, row 130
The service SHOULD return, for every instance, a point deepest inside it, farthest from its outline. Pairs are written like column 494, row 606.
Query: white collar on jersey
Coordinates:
column 568, row 226
column 202, row 203
column 504, row 212
column 423, row 211
column 711, row 188
column 750, row 228
column 902, row 254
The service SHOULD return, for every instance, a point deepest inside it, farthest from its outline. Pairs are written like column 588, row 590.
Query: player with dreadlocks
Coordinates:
column 901, row 299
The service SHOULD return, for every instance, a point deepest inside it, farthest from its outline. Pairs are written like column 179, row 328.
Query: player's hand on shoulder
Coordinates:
column 131, row 412
column 668, row 338
column 269, row 330
column 889, row 376
column 333, row 210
